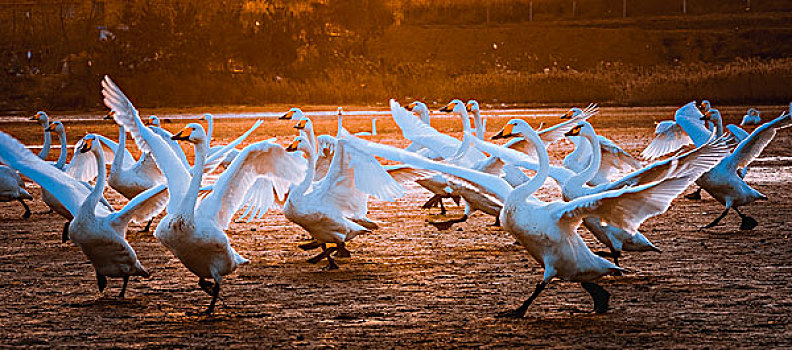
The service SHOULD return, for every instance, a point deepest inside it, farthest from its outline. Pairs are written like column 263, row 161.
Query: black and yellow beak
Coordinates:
column 183, row 134
column 575, row 131
column 301, row 124
column 288, row 115
column 109, row 115
column 410, row 106
column 469, row 106
column 447, row 108
column 87, row 144
column 504, row 133
column 568, row 114
column 293, row 146
column 35, row 117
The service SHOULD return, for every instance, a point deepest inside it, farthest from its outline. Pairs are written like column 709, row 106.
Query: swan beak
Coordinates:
column 35, row 117
column 86, row 146
column 568, row 115
column 506, row 132
column 293, row 146
column 288, row 115
column 574, row 132
column 182, row 135
column 301, row 124
column 410, row 106
column 469, row 106
column 109, row 115
column 447, row 108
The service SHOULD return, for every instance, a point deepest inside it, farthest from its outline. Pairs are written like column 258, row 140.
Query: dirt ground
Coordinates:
column 408, row 285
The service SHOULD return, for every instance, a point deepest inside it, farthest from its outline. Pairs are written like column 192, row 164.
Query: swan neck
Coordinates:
column 64, row 150
column 47, row 142
column 191, row 196
column 580, row 179
column 426, row 117
column 530, row 187
column 89, row 206
column 302, row 187
column 719, row 128
column 465, row 122
column 210, row 128
column 479, row 124
column 118, row 159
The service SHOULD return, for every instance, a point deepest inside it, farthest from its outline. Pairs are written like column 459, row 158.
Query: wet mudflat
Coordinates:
column 408, row 285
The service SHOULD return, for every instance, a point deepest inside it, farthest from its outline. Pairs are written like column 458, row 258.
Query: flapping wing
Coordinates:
column 82, row 166
column 143, row 207
column 738, row 132
column 688, row 117
column 173, row 144
column 423, row 135
column 751, row 147
column 669, row 137
column 70, row 192
column 217, row 157
column 261, row 159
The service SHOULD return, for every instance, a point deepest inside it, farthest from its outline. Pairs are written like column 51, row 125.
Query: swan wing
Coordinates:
column 517, row 158
column 688, row 117
column 261, row 159
column 615, row 157
column 423, row 135
column 70, row 192
column 143, row 207
column 147, row 141
column 405, row 173
column 173, row 144
column 214, row 160
column 669, row 137
column 692, row 163
column 493, row 184
column 82, row 166
column 751, row 147
column 629, row 207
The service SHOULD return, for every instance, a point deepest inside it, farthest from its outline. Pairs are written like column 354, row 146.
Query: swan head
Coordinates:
column 41, row 117
column 753, row 111
column 712, row 114
column 192, row 133
column 304, row 123
column 56, row 126
column 153, row 120
column 109, row 115
column 207, row 117
column 705, row 106
column 583, row 128
column 472, row 106
column 292, row 114
column 88, row 144
column 299, row 144
column 455, row 106
column 417, row 107
column 573, row 113
column 514, row 127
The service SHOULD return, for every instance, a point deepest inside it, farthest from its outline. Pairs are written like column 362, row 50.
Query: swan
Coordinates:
column 422, row 110
column 548, row 229
column 43, row 119
column 333, row 210
column 98, row 231
column 671, row 135
column 294, row 113
column 751, row 118
column 195, row 234
column 373, row 129
column 724, row 182
column 12, row 188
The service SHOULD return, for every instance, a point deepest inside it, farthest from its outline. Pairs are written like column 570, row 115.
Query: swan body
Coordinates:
column 752, row 117
column 12, row 188
column 98, row 231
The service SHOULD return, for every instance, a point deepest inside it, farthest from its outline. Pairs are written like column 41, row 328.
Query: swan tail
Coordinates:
column 239, row 260
column 140, row 271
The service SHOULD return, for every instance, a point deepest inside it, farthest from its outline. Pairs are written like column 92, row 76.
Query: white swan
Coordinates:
column 548, row 229
column 43, row 119
column 293, row 113
column 12, row 188
column 98, row 231
column 752, row 117
column 195, row 234
column 333, row 210
column 671, row 135
column 724, row 182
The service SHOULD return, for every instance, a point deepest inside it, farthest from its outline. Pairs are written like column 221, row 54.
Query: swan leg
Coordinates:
column 343, row 252
column 497, row 222
column 215, row 295
column 748, row 223
column 717, row 220
column 442, row 206
column 101, row 281
column 431, row 202
column 331, row 264
column 148, row 227
column 695, row 195
column 613, row 254
column 599, row 294
column 65, row 233
column 445, row 225
column 124, row 287
column 310, row 245
column 205, row 285
column 520, row 311
column 321, row 255
column 27, row 209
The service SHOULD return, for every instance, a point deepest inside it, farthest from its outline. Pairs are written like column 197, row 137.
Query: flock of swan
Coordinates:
column 324, row 183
